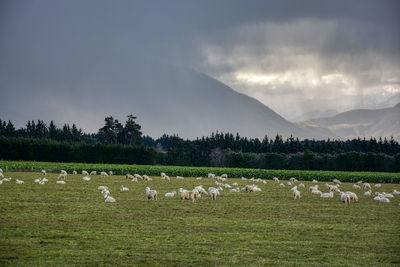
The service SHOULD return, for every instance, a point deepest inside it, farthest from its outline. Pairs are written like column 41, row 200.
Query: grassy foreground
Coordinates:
column 70, row 224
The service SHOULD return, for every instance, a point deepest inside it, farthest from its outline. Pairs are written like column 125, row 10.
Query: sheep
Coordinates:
column 360, row 182
column 60, row 182
column 104, row 174
column 395, row 192
column 293, row 180
column 224, row 176
column 105, row 192
column 134, row 179
column 123, row 188
column 314, row 187
column 86, row 178
column 93, row 173
column 377, row 185
column 356, row 186
column 316, row 192
column 336, row 181
column 183, row 194
column 289, row 183
column 146, row 178
column 151, row 194
column 301, row 185
column 243, row 178
column 384, row 200
column 345, row 198
column 162, row 174
column 367, row 186
column 353, row 196
column 193, row 195
column 227, row 186
column 102, row 187
column 110, row 173
column 74, row 173
column 387, row 195
column 166, row 178
column 62, row 176
column 7, row 179
column 294, row 188
column 35, row 181
column 172, row 194
column 63, row 172
column 199, row 178
column 109, row 199
column 19, row 181
column 43, row 172
column 1, row 170
column 275, row 179
column 281, row 184
column 296, row 194
column 129, row 176
column 220, row 179
column 377, row 198
column 201, row 190
column 213, row 193
column 1, row 181
column 235, row 184
column 327, row 195
column 256, row 188
column 334, row 188
column 234, row 190
column 85, row 173
column 367, row 193
column 1, row 175
column 211, row 175
column 314, row 181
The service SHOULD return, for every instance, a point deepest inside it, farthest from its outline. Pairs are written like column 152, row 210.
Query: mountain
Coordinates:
column 362, row 122
column 314, row 114
column 165, row 99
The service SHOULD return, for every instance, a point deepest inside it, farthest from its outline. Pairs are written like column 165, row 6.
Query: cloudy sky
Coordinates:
column 294, row 56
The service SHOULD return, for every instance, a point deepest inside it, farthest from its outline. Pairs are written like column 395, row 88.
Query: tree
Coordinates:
column 109, row 133
column 131, row 132
column 10, row 129
column 217, row 157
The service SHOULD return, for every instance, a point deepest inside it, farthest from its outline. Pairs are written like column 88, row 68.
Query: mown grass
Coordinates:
column 71, row 224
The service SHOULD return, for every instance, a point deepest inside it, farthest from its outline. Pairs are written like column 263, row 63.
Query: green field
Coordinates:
column 54, row 224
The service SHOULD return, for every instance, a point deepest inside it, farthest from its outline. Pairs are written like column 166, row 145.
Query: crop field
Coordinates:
column 71, row 224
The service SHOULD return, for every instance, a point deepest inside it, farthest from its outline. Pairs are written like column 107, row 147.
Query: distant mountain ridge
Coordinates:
column 362, row 123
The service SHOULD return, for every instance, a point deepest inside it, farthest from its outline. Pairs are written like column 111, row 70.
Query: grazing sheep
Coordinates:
column 183, row 194
column 129, row 176
column 395, row 192
column 102, row 187
column 93, row 173
column 64, row 172
column 146, row 178
column 105, row 192
column 377, row 198
column 227, row 186
column 199, row 178
column 314, row 181
column 43, row 172
column 367, row 193
column 19, row 181
column 86, row 178
column 134, row 179
column 179, row 177
column 387, row 195
column 151, row 194
column 377, row 185
column 353, row 196
column 367, row 186
column 224, row 176
column 110, row 173
column 1, row 175
column 172, row 194
column 234, row 190
column 211, row 175
column 327, row 195
column 384, row 200
column 235, row 184
column 345, row 198
column 193, row 195
column 7, row 179
column 213, row 193
column 109, row 199
column 201, row 190
column 336, row 181
column 1, row 181
column 74, row 173
column 296, row 194
column 249, row 188
column 356, row 186
column 243, row 178
column 275, row 179
column 35, row 181
column 123, row 188
column 314, row 187
column 60, row 182
column 281, row 184
column 293, row 180
column 166, row 178
column 62, row 176
column 294, row 188
column 289, row 183
column 316, row 192
column 85, row 173
column 104, row 174
column 301, row 185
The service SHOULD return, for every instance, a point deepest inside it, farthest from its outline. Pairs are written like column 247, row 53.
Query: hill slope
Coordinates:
column 363, row 122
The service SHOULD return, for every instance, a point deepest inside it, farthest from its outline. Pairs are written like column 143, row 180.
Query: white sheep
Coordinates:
column 109, row 199
column 367, row 186
column 62, row 176
column 64, row 172
column 386, row 195
column 211, row 175
column 151, row 194
column 336, row 181
column 275, row 179
column 166, row 178
column 74, row 173
column 356, row 186
column 227, row 186
column 327, row 195
column 7, row 179
column 314, row 181
column 395, row 192
column 289, row 183
column 43, row 172
column 85, row 173
column 360, row 182
column 384, row 200
column 86, row 178
column 213, row 193
column 377, row 185
column 179, row 177
column 93, row 173
column 103, row 174
column 243, row 178
column 129, row 176
column 137, row 176
column 234, row 190
column 123, row 188
column 294, row 188
column 199, row 178
column 301, row 185
column 293, row 180
column 281, row 184
column 1, row 175
column 316, row 192
column 1, row 181
column 353, row 196
column 235, row 184
column 146, row 178
column 110, row 173
column 296, row 194
column 313, row 188
column 36, row 180
column 60, row 182
column 171, row 194
column 102, row 187
column 367, row 193
column 19, row 181
column 224, row 176
column 345, row 198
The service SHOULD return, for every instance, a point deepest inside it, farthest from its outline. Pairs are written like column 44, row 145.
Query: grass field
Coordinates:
column 70, row 224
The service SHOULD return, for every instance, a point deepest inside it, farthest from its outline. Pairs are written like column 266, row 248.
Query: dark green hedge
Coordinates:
column 31, row 149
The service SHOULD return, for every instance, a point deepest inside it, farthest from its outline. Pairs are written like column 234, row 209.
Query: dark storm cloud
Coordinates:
column 355, row 43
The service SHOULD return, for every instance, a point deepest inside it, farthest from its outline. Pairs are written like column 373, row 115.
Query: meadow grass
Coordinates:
column 70, row 224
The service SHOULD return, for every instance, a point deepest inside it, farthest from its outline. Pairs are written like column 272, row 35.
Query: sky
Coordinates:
column 296, row 57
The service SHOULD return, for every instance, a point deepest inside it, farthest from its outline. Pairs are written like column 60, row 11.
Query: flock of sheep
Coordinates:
column 220, row 184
